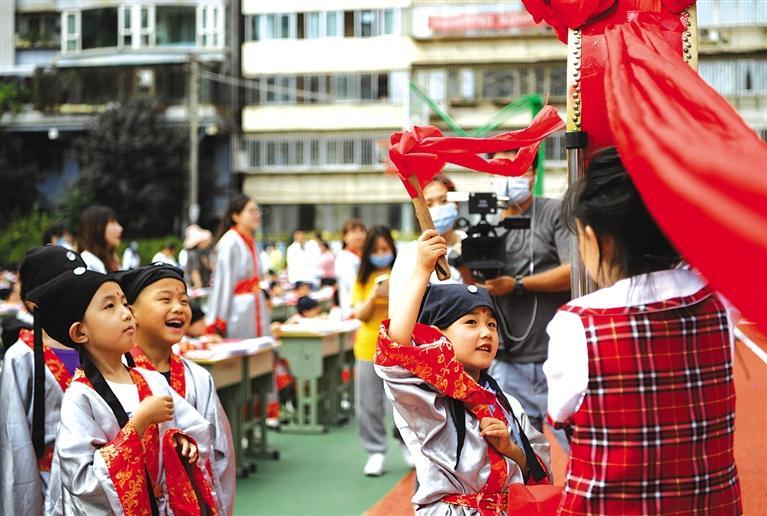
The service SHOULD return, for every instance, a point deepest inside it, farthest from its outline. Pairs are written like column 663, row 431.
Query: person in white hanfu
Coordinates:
column 236, row 304
column 126, row 442
column 29, row 417
column 302, row 256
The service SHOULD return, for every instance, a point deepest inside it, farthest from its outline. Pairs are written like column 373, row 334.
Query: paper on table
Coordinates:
column 231, row 348
column 322, row 326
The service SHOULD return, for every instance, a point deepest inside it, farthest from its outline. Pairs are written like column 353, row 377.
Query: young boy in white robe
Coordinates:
column 470, row 440
column 36, row 372
column 127, row 443
column 158, row 297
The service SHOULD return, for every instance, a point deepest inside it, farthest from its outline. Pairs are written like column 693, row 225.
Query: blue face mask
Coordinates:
column 380, row 261
column 517, row 189
column 444, row 216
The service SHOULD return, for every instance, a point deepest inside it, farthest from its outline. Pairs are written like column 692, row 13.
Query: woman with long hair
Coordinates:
column 370, row 299
column 236, row 305
column 641, row 369
column 98, row 238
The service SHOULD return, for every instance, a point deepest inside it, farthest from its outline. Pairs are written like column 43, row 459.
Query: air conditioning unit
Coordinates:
column 710, row 36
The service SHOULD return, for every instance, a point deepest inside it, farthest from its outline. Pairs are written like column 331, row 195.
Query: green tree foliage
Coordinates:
column 18, row 176
column 134, row 163
column 24, row 232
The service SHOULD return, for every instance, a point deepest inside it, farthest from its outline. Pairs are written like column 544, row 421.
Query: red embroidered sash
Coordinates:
column 124, row 459
column 45, row 462
column 494, row 503
column 177, row 373
column 63, row 378
column 128, row 456
column 181, row 493
column 247, row 286
column 52, row 361
column 433, row 360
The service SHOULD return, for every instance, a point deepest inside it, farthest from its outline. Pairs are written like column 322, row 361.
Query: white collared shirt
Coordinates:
column 567, row 366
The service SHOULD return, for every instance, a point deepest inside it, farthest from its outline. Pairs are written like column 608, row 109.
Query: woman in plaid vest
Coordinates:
column 640, row 372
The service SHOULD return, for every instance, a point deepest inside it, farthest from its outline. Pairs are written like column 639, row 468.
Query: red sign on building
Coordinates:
column 481, row 22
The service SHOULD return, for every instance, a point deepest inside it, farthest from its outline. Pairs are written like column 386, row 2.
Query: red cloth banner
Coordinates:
column 424, row 150
column 700, row 169
column 572, row 14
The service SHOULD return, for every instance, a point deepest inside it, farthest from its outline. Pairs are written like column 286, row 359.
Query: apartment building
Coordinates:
column 71, row 59
column 327, row 86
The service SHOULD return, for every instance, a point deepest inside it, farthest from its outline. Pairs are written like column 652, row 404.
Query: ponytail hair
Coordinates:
column 607, row 200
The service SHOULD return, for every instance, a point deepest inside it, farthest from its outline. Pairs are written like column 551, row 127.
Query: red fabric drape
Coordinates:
column 700, row 169
column 424, row 151
column 571, row 14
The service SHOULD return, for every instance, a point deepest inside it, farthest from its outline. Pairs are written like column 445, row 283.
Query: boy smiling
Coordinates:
column 160, row 303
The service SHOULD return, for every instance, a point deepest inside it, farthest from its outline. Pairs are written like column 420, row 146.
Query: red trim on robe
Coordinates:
column 52, row 361
column 218, row 327
column 181, row 476
column 129, row 456
column 249, row 285
column 432, row 359
column 177, row 373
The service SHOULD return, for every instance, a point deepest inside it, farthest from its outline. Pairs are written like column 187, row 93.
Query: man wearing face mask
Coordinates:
column 534, row 283
column 444, row 214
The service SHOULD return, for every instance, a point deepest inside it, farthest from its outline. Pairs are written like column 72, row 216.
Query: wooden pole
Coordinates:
column 424, row 219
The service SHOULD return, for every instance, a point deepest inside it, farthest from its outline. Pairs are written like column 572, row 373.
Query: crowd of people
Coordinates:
column 472, row 367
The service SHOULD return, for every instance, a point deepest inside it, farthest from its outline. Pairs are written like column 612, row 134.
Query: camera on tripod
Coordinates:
column 483, row 250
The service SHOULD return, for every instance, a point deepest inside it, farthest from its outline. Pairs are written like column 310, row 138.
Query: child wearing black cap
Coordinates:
column 37, row 370
column 470, row 440
column 123, row 434
column 158, row 297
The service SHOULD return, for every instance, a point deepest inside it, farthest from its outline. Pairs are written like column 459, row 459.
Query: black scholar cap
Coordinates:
column 445, row 304
column 44, row 263
column 135, row 280
column 62, row 301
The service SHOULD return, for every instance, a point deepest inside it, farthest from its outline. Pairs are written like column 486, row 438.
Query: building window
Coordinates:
column 175, row 26
column 126, row 26
column 388, row 22
column 365, row 24
column 38, row 30
column 315, row 150
column 99, row 28
column 333, row 27
column 328, row 89
column 71, row 39
column 312, row 22
column 210, row 26
column 736, row 77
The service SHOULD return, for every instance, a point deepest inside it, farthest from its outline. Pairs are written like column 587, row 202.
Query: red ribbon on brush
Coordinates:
column 700, row 169
column 424, row 150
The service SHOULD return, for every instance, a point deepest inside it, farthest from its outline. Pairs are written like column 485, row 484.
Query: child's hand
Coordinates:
column 431, row 246
column 187, row 448
column 153, row 411
column 496, row 432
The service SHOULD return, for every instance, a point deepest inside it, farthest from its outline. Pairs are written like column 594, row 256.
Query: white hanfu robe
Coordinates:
column 199, row 390
column 243, row 311
column 201, row 394
column 81, row 481
column 416, row 379
column 24, row 478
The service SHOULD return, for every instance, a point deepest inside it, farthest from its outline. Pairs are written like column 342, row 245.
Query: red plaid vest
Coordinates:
column 654, row 433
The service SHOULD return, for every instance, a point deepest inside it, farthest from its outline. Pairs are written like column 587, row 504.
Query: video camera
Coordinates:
column 483, row 250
